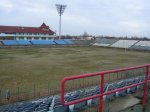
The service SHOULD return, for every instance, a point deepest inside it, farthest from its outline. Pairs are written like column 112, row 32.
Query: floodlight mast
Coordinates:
column 60, row 9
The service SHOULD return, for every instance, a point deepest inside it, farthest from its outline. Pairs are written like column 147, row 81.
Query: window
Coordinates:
column 36, row 38
column 29, row 38
column 43, row 38
column 21, row 38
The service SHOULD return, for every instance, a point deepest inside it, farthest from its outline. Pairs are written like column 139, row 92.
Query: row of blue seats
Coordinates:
column 36, row 42
column 96, row 90
column 53, row 103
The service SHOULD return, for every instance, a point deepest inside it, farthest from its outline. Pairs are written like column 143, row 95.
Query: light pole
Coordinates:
column 60, row 9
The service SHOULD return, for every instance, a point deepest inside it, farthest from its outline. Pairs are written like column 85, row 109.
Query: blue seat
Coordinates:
column 95, row 101
column 48, row 101
column 23, row 42
column 10, row 42
column 60, row 108
column 44, row 107
column 60, row 42
column 80, row 106
column 118, row 85
column 52, row 42
column 130, row 82
column 112, row 95
column 68, row 41
column 141, row 79
column 42, row 42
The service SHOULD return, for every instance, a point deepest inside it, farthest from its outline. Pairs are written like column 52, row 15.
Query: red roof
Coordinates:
column 43, row 29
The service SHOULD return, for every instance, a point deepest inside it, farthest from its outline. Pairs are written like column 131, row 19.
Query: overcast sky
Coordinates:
column 96, row 17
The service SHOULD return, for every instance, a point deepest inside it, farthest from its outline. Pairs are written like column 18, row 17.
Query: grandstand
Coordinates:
column 121, row 43
column 105, row 42
column 23, row 42
column 42, row 42
column 10, row 42
column 45, row 42
column 124, row 43
column 68, row 41
column 142, row 45
column 60, row 42
column 82, row 42
column 53, row 103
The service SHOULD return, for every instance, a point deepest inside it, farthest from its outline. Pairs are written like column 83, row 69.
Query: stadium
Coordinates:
column 42, row 70
column 32, row 70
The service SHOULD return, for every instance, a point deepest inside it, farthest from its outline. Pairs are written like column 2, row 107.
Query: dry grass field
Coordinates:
column 24, row 67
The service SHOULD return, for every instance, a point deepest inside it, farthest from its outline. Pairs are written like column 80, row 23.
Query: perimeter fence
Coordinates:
column 22, row 93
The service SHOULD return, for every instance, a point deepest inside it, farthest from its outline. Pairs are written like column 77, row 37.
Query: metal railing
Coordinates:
column 102, row 83
column 17, row 94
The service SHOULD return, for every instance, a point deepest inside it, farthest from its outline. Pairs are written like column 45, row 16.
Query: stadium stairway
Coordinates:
column 135, row 43
column 60, row 42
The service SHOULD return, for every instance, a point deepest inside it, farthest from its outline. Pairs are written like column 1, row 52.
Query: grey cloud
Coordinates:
column 98, row 17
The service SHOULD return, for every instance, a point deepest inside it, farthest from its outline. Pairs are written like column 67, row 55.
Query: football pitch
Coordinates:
column 25, row 67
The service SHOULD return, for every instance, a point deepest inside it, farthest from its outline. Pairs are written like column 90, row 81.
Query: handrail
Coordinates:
column 102, row 74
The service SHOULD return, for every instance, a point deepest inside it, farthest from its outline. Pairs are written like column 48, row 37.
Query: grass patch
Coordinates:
column 25, row 67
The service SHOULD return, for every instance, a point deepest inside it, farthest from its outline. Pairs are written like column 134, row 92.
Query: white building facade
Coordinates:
column 26, row 33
